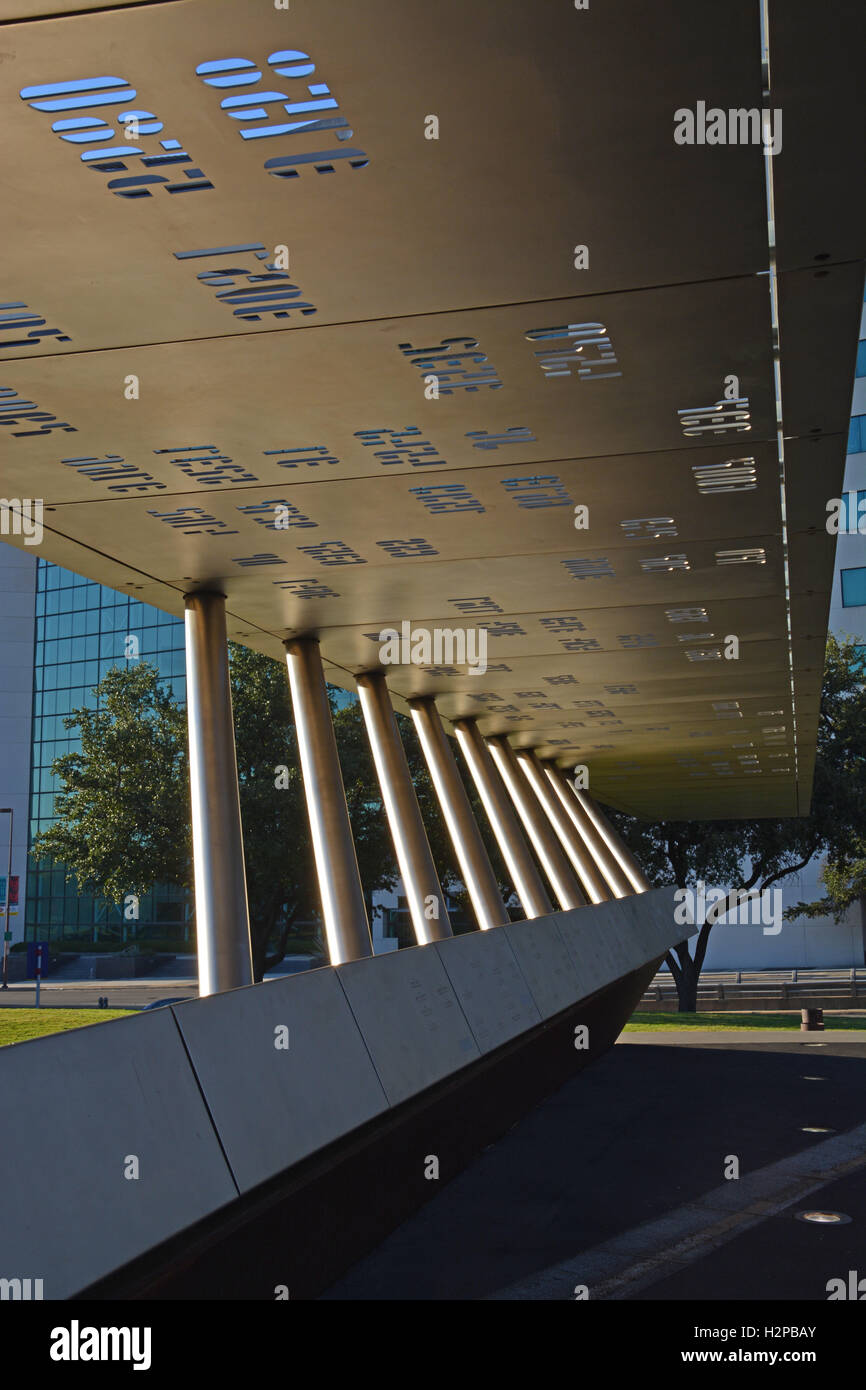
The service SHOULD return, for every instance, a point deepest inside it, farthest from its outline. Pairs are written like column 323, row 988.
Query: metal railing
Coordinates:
column 784, row 986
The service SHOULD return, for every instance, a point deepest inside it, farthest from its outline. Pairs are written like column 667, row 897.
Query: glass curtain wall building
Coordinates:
column 82, row 631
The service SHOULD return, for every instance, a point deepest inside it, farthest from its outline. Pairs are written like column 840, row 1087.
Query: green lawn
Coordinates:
column 19, row 1025
column 657, row 1022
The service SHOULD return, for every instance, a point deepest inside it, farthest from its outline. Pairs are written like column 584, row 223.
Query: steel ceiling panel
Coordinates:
column 617, row 663
column 674, row 347
column 494, row 590
column 816, row 65
column 820, row 312
column 531, row 500
column 525, row 689
column 724, row 771
column 655, row 485
column 537, row 107
column 548, row 631
column 660, row 679
column 815, row 470
column 600, row 387
column 12, row 10
column 709, row 801
column 610, row 751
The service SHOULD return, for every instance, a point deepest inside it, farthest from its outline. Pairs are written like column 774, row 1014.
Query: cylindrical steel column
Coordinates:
column 343, row 907
column 536, row 825
column 527, row 880
column 623, row 855
column 593, row 885
column 614, row 876
column 475, row 866
column 221, row 914
column 420, row 879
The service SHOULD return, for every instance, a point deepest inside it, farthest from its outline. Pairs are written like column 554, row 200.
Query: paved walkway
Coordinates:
column 68, row 992
column 121, row 994
column 746, row 1037
column 618, row 1182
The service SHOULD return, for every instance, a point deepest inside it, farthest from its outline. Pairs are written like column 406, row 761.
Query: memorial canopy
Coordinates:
column 397, row 312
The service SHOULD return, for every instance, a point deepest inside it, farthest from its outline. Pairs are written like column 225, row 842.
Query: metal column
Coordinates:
column 615, row 877
column 221, row 912
column 620, row 851
column 420, row 879
column 588, row 875
column 519, row 862
column 475, row 866
column 343, row 907
column 536, row 825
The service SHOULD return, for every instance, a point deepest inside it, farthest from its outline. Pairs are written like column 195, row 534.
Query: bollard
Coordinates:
column 812, row 1020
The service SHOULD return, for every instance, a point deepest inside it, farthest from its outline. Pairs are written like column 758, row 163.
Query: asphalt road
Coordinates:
column 121, row 994
column 628, row 1160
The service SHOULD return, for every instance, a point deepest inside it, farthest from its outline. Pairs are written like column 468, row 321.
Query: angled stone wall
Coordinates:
column 208, row 1099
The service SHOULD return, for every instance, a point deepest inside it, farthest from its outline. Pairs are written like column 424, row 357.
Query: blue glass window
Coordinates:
column 857, row 510
column 854, row 588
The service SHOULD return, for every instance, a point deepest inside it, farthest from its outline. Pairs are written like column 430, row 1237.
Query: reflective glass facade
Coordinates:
column 81, row 632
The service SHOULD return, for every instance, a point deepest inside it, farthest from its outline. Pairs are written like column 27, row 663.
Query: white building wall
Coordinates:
column 808, row 944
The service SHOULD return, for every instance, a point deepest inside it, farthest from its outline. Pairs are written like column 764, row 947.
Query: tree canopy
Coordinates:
column 123, row 817
column 754, row 854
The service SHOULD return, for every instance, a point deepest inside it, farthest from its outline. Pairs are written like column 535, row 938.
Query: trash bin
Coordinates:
column 812, row 1020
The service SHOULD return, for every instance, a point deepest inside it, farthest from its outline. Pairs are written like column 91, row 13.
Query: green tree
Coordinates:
column 123, row 810
column 844, row 877
column 281, row 880
column 842, row 744
column 123, row 820
column 754, row 854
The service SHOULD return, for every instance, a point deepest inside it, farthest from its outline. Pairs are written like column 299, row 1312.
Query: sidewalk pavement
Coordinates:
column 631, row 1158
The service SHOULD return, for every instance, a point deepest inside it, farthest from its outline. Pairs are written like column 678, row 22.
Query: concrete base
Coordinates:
column 318, row 1105
column 308, row 1227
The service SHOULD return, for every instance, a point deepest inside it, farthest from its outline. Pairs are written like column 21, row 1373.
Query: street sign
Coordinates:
column 13, row 895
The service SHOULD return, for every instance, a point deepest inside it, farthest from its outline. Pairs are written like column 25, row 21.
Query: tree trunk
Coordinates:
column 260, row 932
column 686, row 970
column 687, row 989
